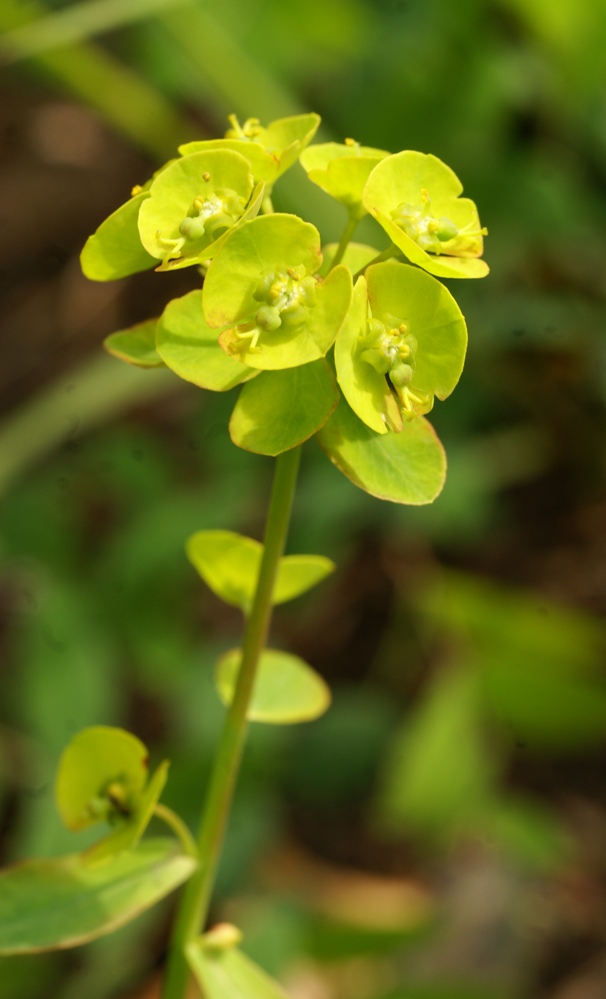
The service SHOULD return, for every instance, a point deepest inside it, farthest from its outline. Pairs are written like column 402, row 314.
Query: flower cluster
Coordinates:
column 347, row 343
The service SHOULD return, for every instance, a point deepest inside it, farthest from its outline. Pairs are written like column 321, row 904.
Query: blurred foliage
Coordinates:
column 441, row 825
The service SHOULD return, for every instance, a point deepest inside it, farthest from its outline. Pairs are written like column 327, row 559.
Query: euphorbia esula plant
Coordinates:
column 348, row 344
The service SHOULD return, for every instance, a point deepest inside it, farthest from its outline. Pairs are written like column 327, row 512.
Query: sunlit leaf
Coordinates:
column 115, row 249
column 190, row 348
column 67, row 901
column 281, row 409
column 229, row 563
column 136, row 345
column 286, row 689
column 270, row 151
column 407, row 467
column 342, row 171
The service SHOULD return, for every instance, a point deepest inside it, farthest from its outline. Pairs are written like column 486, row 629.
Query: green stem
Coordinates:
column 196, row 897
column 350, row 228
column 176, row 823
column 391, row 251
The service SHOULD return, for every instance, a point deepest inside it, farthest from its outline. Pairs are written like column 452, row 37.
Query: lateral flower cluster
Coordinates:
column 348, row 343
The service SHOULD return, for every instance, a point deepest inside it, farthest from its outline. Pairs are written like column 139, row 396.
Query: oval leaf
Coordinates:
column 190, row 348
column 229, row 563
column 407, row 467
column 115, row 249
column 51, row 904
column 99, row 765
column 281, row 409
column 136, row 345
column 226, row 973
column 286, row 689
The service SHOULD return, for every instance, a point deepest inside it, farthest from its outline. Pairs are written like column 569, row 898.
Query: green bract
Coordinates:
column 405, row 337
column 192, row 204
column 187, row 345
column 115, row 249
column 281, row 409
column 415, row 197
column 409, row 467
column 136, row 345
column 270, row 151
column 342, row 171
column 262, row 286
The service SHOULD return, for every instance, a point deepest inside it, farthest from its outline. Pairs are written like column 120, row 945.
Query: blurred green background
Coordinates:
column 440, row 833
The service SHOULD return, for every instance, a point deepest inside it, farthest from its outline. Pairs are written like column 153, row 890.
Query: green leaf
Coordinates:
column 286, row 689
column 342, row 171
column 136, row 345
column 115, row 249
column 229, row 563
column 192, row 203
column 415, row 198
column 270, row 151
column 281, row 409
column 190, row 348
column 407, row 467
column 102, row 773
column 226, row 973
column 49, row 904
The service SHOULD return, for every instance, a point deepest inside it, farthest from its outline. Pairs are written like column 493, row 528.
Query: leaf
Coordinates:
column 190, row 348
column 136, row 345
column 50, row 904
column 341, row 170
column 229, row 563
column 413, row 195
column 281, row 409
column 407, row 467
column 270, row 151
column 115, row 249
column 209, row 191
column 99, row 763
column 226, row 973
column 286, row 689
